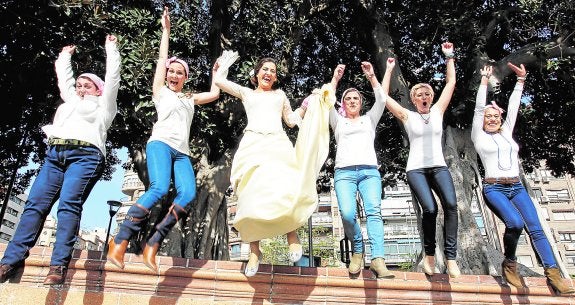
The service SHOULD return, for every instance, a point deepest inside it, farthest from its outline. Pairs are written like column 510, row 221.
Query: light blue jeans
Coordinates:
column 367, row 180
column 164, row 162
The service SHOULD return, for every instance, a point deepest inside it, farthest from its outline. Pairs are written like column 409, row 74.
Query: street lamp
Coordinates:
column 114, row 206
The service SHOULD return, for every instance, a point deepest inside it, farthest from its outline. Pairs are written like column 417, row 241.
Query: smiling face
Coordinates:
column 491, row 120
column 85, row 86
column 422, row 97
column 176, row 76
column 352, row 103
column 267, row 76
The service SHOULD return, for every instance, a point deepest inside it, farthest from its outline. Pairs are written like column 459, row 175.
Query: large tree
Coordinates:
column 309, row 38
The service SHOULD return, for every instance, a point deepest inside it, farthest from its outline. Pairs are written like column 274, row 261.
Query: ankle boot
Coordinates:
column 355, row 263
column 554, row 279
column 162, row 229
column 56, row 275
column 132, row 224
column 510, row 274
column 379, row 268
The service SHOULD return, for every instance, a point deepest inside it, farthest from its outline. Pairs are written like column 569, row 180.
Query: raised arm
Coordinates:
column 160, row 74
column 477, row 125
column 112, row 78
column 213, row 94
column 515, row 98
column 378, row 107
column 337, row 75
column 392, row 105
column 63, row 67
column 447, row 93
column 220, row 76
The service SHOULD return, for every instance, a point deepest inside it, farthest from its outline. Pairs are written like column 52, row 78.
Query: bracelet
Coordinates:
column 522, row 77
column 450, row 55
column 370, row 75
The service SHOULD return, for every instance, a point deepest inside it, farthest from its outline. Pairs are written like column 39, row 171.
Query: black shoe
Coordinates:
column 56, row 275
column 8, row 271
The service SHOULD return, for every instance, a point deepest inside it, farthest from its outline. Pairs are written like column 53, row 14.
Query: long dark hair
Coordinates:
column 258, row 66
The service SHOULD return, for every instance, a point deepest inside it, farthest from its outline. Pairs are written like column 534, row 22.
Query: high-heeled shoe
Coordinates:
column 253, row 265
column 452, row 268
column 295, row 252
column 429, row 264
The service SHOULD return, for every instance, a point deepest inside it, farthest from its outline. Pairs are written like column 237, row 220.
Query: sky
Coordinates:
column 96, row 211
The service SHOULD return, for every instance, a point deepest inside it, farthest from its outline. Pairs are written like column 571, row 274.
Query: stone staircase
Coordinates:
column 180, row 281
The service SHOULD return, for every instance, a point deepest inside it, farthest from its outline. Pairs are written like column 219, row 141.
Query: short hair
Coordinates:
column 419, row 86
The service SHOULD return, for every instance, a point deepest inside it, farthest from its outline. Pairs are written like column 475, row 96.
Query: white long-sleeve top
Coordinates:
column 498, row 151
column 355, row 139
column 263, row 109
column 175, row 113
column 85, row 119
column 425, row 139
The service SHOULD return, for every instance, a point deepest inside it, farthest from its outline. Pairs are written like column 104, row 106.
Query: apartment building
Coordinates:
column 14, row 209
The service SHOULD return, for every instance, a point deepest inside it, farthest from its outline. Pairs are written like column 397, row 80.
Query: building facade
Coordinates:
column 12, row 216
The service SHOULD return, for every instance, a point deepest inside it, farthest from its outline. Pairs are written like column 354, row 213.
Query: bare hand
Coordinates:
column 69, row 49
column 486, row 71
column 367, row 68
column 338, row 72
column 519, row 71
column 111, row 39
column 447, row 48
column 390, row 64
column 166, row 19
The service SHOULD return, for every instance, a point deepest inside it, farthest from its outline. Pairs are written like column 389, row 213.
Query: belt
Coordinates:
column 69, row 142
column 502, row 180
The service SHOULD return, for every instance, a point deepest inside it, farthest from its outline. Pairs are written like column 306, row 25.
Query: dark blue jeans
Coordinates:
column 512, row 204
column 438, row 179
column 164, row 162
column 69, row 173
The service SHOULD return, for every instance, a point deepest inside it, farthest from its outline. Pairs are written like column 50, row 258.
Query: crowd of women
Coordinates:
column 274, row 180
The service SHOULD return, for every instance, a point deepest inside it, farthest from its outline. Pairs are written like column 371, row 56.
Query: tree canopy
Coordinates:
column 308, row 38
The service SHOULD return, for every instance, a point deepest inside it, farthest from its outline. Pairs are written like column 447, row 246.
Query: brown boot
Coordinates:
column 56, row 275
column 8, row 271
column 355, row 263
column 162, row 229
column 510, row 274
column 379, row 268
column 149, row 256
column 554, row 279
column 116, row 253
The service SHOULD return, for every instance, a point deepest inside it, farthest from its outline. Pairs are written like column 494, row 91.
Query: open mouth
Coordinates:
column 424, row 104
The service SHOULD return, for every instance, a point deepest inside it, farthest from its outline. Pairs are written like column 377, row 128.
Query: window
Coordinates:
column 570, row 260
column 545, row 213
column 522, row 239
column 8, row 223
column 538, row 194
column 12, row 212
column 525, row 260
column 5, row 236
column 558, row 195
column 567, row 236
column 563, row 215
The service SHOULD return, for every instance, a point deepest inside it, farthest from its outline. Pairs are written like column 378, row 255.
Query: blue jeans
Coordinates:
column 367, row 180
column 164, row 162
column 69, row 173
column 514, row 207
column 438, row 179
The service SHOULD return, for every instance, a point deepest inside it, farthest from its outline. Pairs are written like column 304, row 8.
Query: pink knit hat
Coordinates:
column 95, row 79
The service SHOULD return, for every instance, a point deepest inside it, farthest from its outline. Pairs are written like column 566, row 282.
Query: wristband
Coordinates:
column 449, row 55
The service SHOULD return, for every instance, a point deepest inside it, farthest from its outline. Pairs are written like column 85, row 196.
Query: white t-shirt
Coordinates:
column 498, row 151
column 175, row 114
column 425, row 140
column 355, row 138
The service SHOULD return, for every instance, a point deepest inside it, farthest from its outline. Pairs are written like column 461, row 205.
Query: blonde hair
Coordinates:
column 419, row 86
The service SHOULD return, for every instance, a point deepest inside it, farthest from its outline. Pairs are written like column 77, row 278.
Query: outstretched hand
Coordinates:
column 224, row 62
column 486, row 71
column 447, row 49
column 390, row 63
column 69, row 49
column 367, row 68
column 111, row 39
column 519, row 71
column 166, row 19
column 338, row 72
